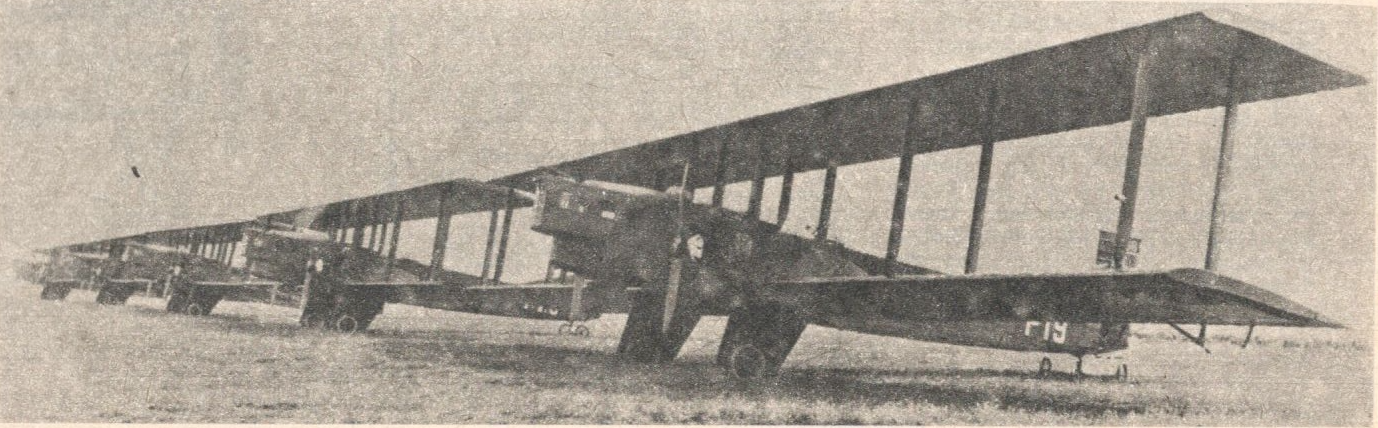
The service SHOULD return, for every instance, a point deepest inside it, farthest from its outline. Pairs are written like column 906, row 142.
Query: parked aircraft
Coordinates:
column 625, row 220
column 772, row 285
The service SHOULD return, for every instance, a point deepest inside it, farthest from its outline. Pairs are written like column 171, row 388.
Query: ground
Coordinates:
column 75, row 361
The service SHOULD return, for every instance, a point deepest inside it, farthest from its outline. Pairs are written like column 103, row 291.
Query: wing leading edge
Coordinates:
column 1180, row 296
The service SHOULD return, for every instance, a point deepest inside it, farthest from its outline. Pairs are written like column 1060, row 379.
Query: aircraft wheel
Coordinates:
column 52, row 292
column 1045, row 367
column 1122, row 373
column 747, row 362
column 364, row 323
column 195, row 310
column 309, row 320
column 347, row 324
column 564, row 329
column 174, row 303
column 581, row 331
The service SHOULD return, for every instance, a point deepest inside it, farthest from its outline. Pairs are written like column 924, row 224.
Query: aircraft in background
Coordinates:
column 625, row 221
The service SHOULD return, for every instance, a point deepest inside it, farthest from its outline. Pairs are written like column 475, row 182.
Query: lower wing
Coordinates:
column 1181, row 296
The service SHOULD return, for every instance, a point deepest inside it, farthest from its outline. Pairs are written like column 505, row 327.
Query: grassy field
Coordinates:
column 75, row 361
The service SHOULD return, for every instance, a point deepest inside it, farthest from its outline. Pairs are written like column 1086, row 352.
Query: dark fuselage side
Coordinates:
column 623, row 239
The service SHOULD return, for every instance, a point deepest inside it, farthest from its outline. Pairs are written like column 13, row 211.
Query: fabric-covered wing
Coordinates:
column 1075, row 85
column 459, row 196
column 1186, row 296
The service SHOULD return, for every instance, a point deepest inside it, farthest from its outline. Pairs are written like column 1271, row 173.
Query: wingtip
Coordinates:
column 1324, row 322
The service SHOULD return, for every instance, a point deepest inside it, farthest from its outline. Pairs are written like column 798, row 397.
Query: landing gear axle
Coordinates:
column 1045, row 370
column 573, row 329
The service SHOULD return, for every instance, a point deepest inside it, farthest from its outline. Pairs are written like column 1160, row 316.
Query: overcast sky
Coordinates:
column 235, row 109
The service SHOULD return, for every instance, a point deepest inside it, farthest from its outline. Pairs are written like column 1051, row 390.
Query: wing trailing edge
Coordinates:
column 1180, row 296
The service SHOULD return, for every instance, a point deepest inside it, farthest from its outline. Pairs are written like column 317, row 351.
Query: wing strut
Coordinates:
column 1138, row 117
column 825, row 208
column 1200, row 338
column 355, row 215
column 373, row 240
column 488, row 247
column 892, row 245
column 397, row 213
column 720, row 175
column 786, row 189
column 506, row 232
column 758, row 188
column 1222, row 169
column 978, row 207
column 442, row 232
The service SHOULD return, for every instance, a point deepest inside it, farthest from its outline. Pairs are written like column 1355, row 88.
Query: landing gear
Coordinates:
column 113, row 293
column 646, row 337
column 55, row 290
column 1045, row 370
column 758, row 339
column 188, row 298
column 572, row 329
column 346, row 309
column 346, row 324
column 748, row 362
column 1045, row 367
column 311, row 320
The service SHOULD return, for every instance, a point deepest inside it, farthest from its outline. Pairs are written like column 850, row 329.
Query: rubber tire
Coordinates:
column 581, row 331
column 311, row 320
column 346, row 324
column 195, row 309
column 747, row 362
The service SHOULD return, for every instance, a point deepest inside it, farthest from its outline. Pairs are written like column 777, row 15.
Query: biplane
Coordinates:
column 626, row 224
column 67, row 268
column 339, row 262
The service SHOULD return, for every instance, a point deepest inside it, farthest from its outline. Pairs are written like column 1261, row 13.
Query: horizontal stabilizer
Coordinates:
column 1181, row 296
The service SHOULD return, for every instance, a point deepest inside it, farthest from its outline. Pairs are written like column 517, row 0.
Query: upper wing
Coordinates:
column 459, row 196
column 1070, row 86
column 1186, row 296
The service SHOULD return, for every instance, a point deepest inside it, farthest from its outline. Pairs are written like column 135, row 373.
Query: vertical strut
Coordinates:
column 720, row 174
column 1222, row 168
column 825, row 208
column 379, row 227
column 382, row 237
column 758, row 187
column 442, row 232
column 1138, row 117
column 488, row 248
column 392, row 242
column 892, row 245
column 248, row 258
column 331, row 224
column 506, row 232
column 229, row 260
column 786, row 190
column 978, row 207
column 342, row 222
column 357, row 217
column 372, row 230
